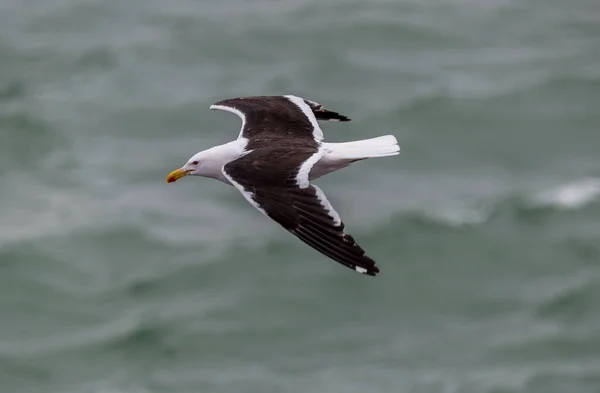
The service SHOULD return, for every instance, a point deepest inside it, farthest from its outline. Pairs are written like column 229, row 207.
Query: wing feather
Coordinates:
column 303, row 211
column 266, row 119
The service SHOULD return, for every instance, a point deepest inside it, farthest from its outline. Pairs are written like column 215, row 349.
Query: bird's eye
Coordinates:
column 195, row 163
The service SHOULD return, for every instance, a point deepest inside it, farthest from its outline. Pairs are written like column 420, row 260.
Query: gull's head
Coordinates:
column 192, row 167
column 208, row 163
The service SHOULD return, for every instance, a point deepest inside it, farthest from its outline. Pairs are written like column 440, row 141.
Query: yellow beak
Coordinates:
column 176, row 175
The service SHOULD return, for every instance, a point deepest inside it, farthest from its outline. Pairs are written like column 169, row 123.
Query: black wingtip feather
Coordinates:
column 324, row 114
column 331, row 116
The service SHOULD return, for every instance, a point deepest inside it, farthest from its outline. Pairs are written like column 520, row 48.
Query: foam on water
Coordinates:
column 569, row 196
column 461, row 215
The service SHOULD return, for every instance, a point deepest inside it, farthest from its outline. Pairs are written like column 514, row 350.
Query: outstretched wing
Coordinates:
column 275, row 181
column 273, row 118
column 266, row 119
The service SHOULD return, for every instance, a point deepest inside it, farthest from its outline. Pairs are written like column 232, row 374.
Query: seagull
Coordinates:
column 278, row 152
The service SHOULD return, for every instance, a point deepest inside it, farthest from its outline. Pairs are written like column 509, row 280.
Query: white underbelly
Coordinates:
column 327, row 164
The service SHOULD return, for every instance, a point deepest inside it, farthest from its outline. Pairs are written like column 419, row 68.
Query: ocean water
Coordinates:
column 486, row 227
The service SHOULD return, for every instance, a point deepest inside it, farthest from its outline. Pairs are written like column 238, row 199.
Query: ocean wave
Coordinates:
column 518, row 205
column 126, row 328
column 451, row 87
column 570, row 196
column 12, row 90
column 461, row 215
column 26, row 140
column 569, row 297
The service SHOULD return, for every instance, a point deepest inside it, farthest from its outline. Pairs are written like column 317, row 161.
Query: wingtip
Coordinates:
column 327, row 115
column 368, row 271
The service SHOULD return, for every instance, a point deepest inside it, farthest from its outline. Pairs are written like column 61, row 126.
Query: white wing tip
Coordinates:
column 359, row 269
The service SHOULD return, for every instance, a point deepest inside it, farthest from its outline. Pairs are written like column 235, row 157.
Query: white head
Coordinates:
column 207, row 163
column 192, row 167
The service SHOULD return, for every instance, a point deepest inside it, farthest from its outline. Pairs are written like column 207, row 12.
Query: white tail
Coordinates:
column 381, row 146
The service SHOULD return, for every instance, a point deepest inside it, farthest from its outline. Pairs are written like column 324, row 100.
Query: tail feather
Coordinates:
column 382, row 146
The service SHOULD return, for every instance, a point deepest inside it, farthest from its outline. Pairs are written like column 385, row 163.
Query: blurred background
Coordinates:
column 486, row 227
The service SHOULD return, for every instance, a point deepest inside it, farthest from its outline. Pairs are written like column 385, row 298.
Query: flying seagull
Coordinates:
column 278, row 152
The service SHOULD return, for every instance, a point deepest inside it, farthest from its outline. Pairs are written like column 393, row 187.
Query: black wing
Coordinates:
column 275, row 181
column 267, row 119
column 272, row 118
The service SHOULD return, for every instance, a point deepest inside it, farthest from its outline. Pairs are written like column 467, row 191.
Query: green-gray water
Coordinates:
column 486, row 227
